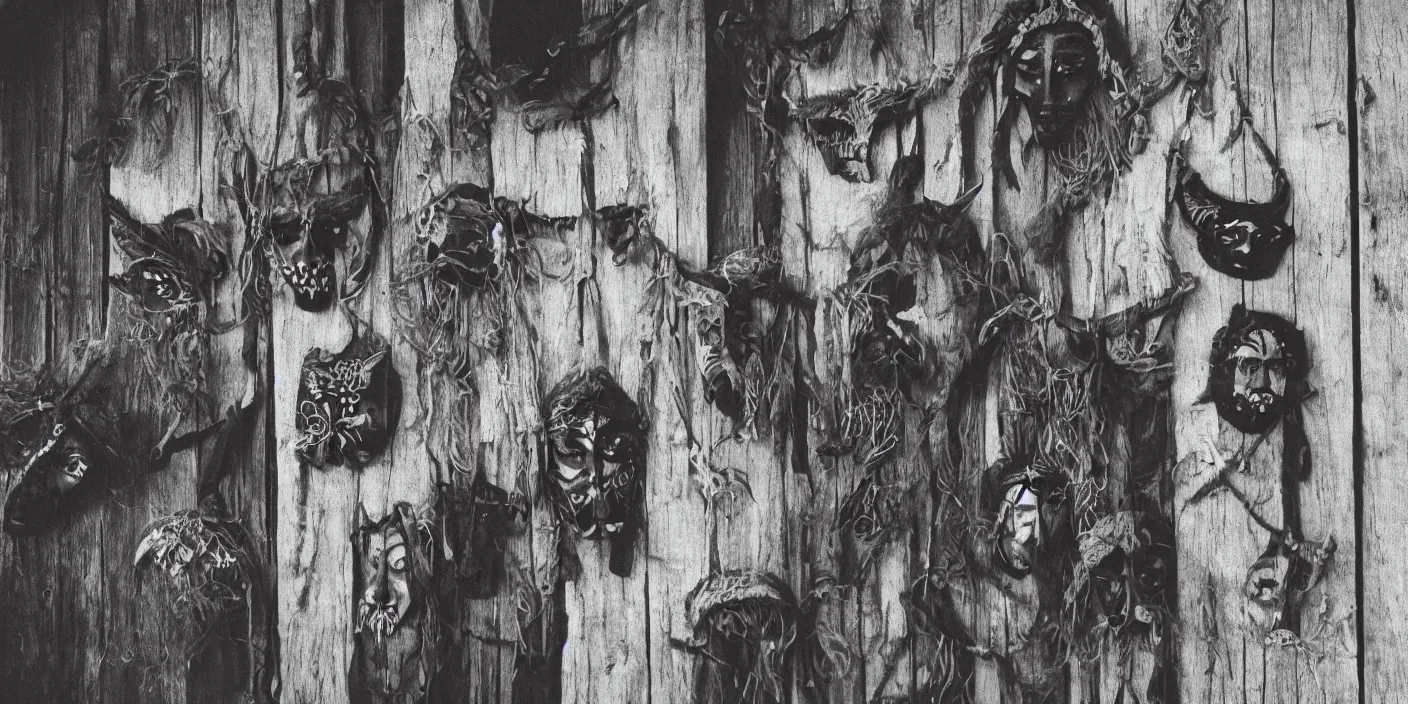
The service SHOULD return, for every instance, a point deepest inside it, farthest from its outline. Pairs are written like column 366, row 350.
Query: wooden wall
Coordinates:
column 1322, row 81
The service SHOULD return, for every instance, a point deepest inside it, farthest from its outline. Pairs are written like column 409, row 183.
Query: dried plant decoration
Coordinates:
column 143, row 111
column 595, row 473
column 170, row 271
column 214, row 565
column 843, row 124
column 396, row 617
column 477, row 521
column 541, row 54
column 348, row 403
column 1244, row 240
column 458, row 293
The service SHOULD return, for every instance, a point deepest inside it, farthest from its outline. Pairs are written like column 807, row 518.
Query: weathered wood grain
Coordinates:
column 1379, row 30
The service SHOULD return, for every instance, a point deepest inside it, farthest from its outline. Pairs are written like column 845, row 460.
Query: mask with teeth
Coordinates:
column 1281, row 576
column 1256, row 369
column 308, row 236
column 1028, row 508
column 1128, row 560
column 596, row 460
column 393, row 568
column 348, row 403
column 842, row 124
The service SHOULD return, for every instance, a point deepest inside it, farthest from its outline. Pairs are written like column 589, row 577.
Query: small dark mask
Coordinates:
column 1256, row 369
column 1053, row 73
column 171, row 263
column 348, row 403
column 596, row 471
column 1130, row 561
column 1243, row 240
column 308, row 236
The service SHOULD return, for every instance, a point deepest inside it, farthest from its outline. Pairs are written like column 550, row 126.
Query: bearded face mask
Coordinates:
column 464, row 239
column 1052, row 73
column 843, row 124
column 1257, row 370
column 348, row 403
column 395, row 608
column 1130, row 562
column 596, row 468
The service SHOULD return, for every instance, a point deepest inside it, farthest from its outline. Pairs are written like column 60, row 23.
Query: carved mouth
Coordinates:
column 311, row 283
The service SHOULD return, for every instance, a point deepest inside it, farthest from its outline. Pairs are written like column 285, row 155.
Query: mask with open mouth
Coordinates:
column 1128, row 559
column 348, row 403
column 308, row 236
column 1256, row 369
column 596, row 460
column 395, row 627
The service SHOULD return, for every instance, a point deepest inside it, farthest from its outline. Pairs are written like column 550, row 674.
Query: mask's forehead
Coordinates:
column 1258, row 344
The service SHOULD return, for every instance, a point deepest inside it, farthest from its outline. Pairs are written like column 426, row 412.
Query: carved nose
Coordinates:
column 378, row 593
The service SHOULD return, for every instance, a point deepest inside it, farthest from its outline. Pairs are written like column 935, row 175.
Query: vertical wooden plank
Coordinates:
column 1379, row 28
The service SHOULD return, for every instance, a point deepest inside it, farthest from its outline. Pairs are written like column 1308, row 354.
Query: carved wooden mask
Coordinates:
column 348, row 403
column 393, row 610
column 1256, row 369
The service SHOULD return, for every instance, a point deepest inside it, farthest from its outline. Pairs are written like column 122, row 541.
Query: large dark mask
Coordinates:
column 60, row 462
column 1282, row 575
column 1256, row 369
column 1129, row 560
column 308, row 235
column 394, row 605
column 1027, row 508
column 1242, row 240
column 744, row 624
column 348, row 403
column 596, row 467
column 469, row 235
column 842, row 125
column 1053, row 71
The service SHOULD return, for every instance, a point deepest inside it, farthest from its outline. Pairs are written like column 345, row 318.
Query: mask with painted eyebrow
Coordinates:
column 1256, row 370
column 1244, row 240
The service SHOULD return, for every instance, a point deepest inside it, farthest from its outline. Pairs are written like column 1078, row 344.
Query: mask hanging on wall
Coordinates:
column 1244, row 240
column 348, row 403
column 1129, row 562
column 62, row 441
column 1278, row 581
column 843, row 124
column 1028, row 511
column 477, row 522
column 395, row 607
column 596, row 461
column 1256, row 370
column 308, row 230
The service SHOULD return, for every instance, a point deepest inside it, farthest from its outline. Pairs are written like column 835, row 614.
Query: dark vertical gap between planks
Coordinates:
column 1357, row 442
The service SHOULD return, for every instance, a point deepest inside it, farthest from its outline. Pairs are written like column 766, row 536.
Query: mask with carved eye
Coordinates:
column 1053, row 73
column 393, row 563
column 596, row 472
column 170, row 263
column 842, row 125
column 308, row 236
column 1256, row 369
column 348, row 403
column 54, row 471
column 1243, row 240
column 1129, row 562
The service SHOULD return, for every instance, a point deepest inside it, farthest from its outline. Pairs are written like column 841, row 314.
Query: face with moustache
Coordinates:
column 1257, row 370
